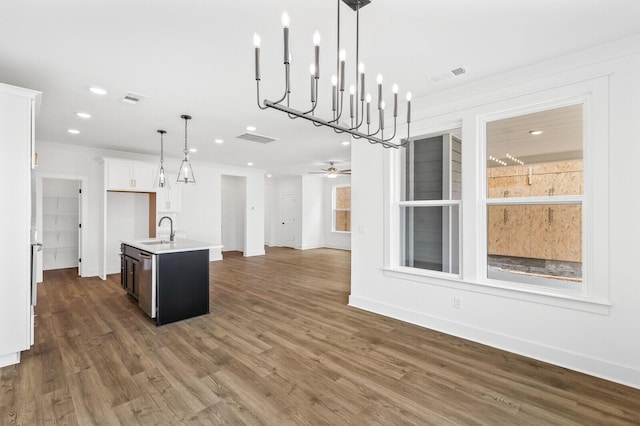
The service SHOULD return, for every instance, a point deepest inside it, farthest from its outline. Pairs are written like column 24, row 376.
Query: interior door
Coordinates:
column 288, row 220
column 80, row 231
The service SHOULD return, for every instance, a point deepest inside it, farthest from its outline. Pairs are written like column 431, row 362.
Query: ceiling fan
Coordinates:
column 332, row 172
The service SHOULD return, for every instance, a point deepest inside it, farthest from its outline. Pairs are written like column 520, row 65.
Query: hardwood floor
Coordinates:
column 280, row 346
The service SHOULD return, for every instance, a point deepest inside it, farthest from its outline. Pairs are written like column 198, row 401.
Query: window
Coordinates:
column 430, row 210
column 342, row 208
column 534, row 184
column 521, row 214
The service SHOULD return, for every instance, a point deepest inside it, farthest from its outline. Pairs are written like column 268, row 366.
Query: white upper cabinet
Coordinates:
column 129, row 176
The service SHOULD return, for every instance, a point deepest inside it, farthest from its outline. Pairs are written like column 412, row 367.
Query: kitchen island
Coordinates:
column 169, row 279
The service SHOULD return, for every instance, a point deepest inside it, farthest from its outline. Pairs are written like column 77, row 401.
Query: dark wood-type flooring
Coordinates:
column 280, row 346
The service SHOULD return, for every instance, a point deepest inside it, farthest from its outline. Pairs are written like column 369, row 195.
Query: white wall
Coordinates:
column 337, row 240
column 268, row 211
column 312, row 212
column 604, row 344
column 200, row 215
column 233, row 212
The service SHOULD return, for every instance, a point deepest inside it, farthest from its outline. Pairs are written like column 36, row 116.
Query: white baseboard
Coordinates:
column 337, row 247
column 311, row 246
column 254, row 253
column 622, row 374
column 9, row 359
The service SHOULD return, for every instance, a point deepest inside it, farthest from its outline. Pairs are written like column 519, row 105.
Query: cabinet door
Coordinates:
column 143, row 177
column 120, row 176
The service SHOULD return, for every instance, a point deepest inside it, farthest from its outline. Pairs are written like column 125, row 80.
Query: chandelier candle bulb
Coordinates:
column 316, row 43
column 394, row 89
column 285, row 28
column 379, row 81
column 361, row 70
column 256, row 43
column 343, row 58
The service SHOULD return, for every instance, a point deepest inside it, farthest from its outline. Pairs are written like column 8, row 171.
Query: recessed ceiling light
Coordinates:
column 193, row 149
column 535, row 132
column 218, row 141
column 346, row 143
column 97, row 90
column 251, row 128
column 249, row 163
column 83, row 114
column 73, row 131
column 269, row 175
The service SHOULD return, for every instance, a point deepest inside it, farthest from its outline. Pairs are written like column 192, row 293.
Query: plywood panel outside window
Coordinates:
column 342, row 211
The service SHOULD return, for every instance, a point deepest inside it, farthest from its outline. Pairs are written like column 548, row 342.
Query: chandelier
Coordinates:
column 185, row 174
column 359, row 120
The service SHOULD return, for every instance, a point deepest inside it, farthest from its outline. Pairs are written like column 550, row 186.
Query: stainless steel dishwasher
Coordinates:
column 145, row 290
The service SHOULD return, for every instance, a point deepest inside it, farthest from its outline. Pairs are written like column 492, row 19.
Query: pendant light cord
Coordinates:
column 161, row 149
column 186, row 151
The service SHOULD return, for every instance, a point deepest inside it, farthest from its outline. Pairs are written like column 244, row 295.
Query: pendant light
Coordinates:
column 161, row 180
column 185, row 175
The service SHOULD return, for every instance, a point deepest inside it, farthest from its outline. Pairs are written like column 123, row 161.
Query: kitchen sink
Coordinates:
column 155, row 242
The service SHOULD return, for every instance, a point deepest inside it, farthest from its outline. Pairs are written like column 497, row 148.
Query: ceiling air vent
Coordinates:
column 446, row 75
column 253, row 137
column 133, row 98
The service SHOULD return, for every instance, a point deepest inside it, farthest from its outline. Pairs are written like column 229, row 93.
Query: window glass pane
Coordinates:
column 431, row 237
column 343, row 197
column 535, row 155
column 433, row 168
column 343, row 220
column 342, row 210
column 535, row 244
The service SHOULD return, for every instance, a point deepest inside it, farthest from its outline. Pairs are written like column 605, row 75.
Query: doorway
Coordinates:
column 233, row 207
column 60, row 224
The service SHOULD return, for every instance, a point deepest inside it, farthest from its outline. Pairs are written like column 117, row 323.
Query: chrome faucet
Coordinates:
column 173, row 234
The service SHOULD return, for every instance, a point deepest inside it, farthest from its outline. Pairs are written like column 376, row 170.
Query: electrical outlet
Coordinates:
column 457, row 303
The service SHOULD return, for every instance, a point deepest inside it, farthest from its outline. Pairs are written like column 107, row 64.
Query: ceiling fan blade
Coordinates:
column 316, row 173
column 344, row 173
column 345, row 170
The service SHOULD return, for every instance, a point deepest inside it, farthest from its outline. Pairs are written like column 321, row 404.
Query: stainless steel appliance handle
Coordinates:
column 145, row 256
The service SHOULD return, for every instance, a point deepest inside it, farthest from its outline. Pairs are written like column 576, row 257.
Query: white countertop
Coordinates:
column 161, row 246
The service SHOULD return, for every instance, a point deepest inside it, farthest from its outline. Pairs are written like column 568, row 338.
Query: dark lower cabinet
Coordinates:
column 182, row 285
column 129, row 270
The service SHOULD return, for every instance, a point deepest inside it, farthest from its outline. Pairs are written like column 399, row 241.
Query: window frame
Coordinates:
column 472, row 115
column 399, row 205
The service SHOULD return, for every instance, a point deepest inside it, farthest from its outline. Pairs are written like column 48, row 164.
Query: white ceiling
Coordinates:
column 196, row 57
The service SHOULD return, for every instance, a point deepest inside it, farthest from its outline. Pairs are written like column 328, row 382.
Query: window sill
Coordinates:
column 562, row 299
column 341, row 232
